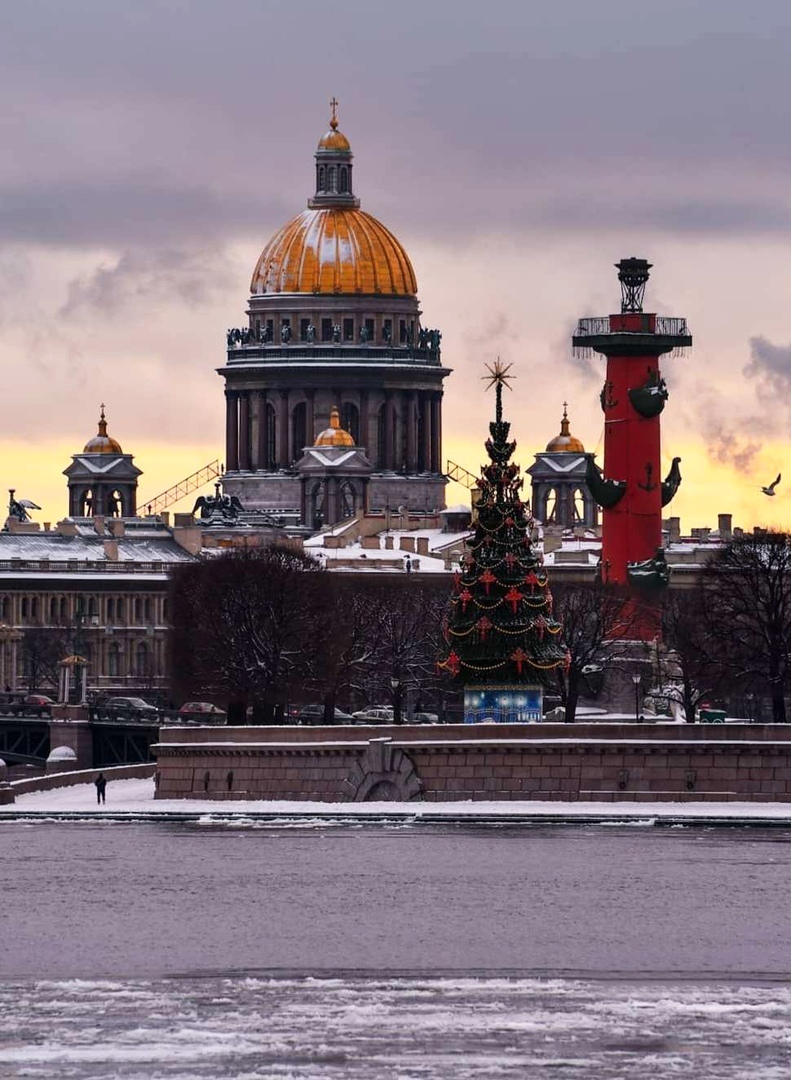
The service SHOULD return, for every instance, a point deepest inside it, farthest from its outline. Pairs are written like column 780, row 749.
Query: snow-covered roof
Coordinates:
column 26, row 551
column 359, row 557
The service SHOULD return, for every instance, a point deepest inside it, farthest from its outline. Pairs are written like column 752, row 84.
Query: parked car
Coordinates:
column 130, row 708
column 200, row 708
column 32, row 705
column 425, row 718
column 374, row 715
column 314, row 714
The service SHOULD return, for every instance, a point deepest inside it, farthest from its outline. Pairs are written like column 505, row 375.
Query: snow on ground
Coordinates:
column 137, row 796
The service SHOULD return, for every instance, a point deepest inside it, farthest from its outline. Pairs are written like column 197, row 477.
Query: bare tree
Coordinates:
column 596, row 620
column 405, row 619
column 248, row 627
column 690, row 668
column 748, row 604
column 43, row 648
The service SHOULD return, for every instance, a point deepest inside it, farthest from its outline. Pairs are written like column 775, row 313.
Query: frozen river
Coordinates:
column 164, row 950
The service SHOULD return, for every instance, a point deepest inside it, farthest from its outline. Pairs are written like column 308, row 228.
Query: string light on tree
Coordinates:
column 502, row 642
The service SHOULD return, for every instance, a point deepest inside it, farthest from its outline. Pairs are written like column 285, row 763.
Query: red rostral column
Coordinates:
column 630, row 490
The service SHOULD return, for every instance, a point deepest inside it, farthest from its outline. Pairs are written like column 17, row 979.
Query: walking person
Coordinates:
column 101, row 785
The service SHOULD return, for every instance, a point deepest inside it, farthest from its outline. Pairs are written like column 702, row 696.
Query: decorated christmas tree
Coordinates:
column 503, row 642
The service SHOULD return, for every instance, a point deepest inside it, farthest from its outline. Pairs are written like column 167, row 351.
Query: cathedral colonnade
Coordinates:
column 267, row 429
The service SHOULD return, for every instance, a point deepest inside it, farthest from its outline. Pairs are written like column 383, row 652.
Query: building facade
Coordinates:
column 334, row 322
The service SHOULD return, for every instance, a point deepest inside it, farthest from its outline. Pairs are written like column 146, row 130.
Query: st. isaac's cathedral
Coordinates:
column 334, row 387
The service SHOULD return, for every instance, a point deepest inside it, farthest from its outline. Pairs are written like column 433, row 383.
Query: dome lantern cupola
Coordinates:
column 333, row 168
column 565, row 442
column 334, row 435
column 102, row 443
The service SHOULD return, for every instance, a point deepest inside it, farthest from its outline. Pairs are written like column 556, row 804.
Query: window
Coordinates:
column 138, row 610
column 4, row 608
column 141, row 659
column 348, row 329
column 320, row 178
column 147, row 610
column 53, row 610
column 350, row 420
column 110, row 609
column 298, row 430
column 113, row 661
column 303, row 329
column 326, row 329
column 24, row 607
column 387, row 331
column 344, row 181
column 402, row 330
column 333, row 179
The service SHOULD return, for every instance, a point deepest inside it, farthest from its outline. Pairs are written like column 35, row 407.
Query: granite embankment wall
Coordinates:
column 590, row 762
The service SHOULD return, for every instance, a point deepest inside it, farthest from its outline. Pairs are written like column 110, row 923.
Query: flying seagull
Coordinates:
column 770, row 490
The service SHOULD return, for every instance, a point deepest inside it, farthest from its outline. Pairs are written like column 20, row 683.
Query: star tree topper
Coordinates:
column 498, row 377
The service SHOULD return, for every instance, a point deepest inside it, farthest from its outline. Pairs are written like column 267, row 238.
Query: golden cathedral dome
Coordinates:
column 334, row 247
column 334, row 435
column 102, row 443
column 565, row 442
column 334, row 250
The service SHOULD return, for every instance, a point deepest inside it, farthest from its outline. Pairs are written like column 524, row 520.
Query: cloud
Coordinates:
column 770, row 366
column 127, row 211
column 139, row 279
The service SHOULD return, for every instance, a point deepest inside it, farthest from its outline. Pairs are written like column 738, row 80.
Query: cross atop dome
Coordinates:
column 334, row 103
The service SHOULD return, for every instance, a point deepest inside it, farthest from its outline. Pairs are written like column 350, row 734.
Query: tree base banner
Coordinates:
column 506, row 704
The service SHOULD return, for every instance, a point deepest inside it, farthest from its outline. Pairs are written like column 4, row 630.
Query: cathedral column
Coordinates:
column 388, row 431
column 436, row 433
column 263, row 431
column 231, row 431
column 283, row 430
column 244, row 431
column 398, row 433
column 310, row 418
column 410, row 407
column 427, row 429
column 365, row 423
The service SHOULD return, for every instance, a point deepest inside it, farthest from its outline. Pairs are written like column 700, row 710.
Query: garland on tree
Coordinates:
column 500, row 628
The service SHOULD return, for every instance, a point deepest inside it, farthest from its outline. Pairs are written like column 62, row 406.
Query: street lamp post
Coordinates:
column 636, row 679
column 395, row 686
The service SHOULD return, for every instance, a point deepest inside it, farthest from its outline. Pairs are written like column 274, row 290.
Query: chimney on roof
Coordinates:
column 673, row 530
column 98, row 524
column 725, row 526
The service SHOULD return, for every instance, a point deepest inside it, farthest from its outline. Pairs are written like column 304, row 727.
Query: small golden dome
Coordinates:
column 334, row 250
column 334, row 140
column 565, row 442
column 334, row 435
column 102, row 443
